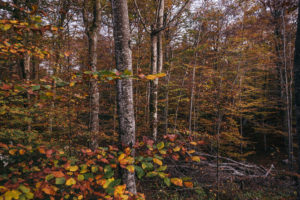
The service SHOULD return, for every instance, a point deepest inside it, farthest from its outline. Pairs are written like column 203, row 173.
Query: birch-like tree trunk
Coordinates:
column 92, row 30
column 124, row 86
column 297, row 92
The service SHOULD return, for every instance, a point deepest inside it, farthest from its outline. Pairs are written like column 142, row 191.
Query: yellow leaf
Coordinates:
column 107, row 182
column 49, row 94
column 119, row 192
column 188, row 184
column 196, row 158
column 121, row 157
column 73, row 168
column 130, row 168
column 193, row 143
column 151, row 77
column 176, row 181
column 157, row 161
column 6, row 27
column 80, row 197
column 70, row 181
column 177, row 148
column 160, row 75
column 12, row 194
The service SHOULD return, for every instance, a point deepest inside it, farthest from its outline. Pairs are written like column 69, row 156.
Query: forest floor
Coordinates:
column 277, row 185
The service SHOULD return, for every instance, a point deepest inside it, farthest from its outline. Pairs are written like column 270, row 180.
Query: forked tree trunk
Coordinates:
column 124, row 86
column 297, row 92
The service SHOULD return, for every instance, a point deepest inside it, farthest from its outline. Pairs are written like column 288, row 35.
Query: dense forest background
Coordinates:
column 208, row 90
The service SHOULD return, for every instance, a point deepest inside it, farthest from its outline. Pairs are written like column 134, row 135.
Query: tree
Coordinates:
column 92, row 31
column 124, row 86
column 297, row 92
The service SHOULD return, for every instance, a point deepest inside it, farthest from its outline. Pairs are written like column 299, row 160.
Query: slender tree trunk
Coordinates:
column 92, row 30
column 287, row 98
column 27, row 77
column 124, row 86
column 297, row 92
column 153, row 88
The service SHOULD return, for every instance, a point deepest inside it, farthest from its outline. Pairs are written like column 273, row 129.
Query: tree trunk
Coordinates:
column 124, row 86
column 153, row 87
column 92, row 30
column 297, row 92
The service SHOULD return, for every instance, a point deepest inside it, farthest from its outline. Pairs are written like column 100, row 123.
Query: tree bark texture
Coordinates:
column 124, row 86
column 92, row 31
column 297, row 91
column 153, row 88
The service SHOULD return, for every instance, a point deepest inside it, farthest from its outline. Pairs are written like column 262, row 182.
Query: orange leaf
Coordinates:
column 176, row 181
column 58, row 174
column 188, row 184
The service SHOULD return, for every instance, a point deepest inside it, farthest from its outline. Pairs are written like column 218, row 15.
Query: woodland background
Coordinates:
column 212, row 93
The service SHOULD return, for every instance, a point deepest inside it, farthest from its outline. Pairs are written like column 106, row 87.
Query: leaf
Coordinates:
column 119, row 192
column 159, row 75
column 49, row 177
column 177, row 148
column 176, row 181
column 6, row 27
column 196, row 158
column 193, row 143
column 147, row 165
column 35, row 87
column 162, row 168
column 167, row 181
column 160, row 145
column 21, row 151
column 140, row 172
column 12, row 194
column 150, row 77
column 188, row 184
column 73, row 168
column 80, row 177
column 24, row 189
column 58, row 174
column 71, row 181
column 130, row 168
column 12, row 151
column 151, row 174
column 72, row 84
column 107, row 182
column 60, row 181
column 157, row 161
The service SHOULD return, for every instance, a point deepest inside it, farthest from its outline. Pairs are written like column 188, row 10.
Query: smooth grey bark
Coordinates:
column 92, row 32
column 297, row 92
column 124, row 86
column 153, row 88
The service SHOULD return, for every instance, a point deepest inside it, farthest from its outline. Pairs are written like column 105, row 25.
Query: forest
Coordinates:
column 150, row 99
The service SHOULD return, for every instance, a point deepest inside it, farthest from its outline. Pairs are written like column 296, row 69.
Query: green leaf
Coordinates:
column 80, row 177
column 151, row 174
column 24, row 189
column 49, row 177
column 167, row 181
column 139, row 171
column 29, row 195
column 147, row 165
column 36, row 87
column 160, row 145
column 162, row 168
column 60, row 181
column 88, row 175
